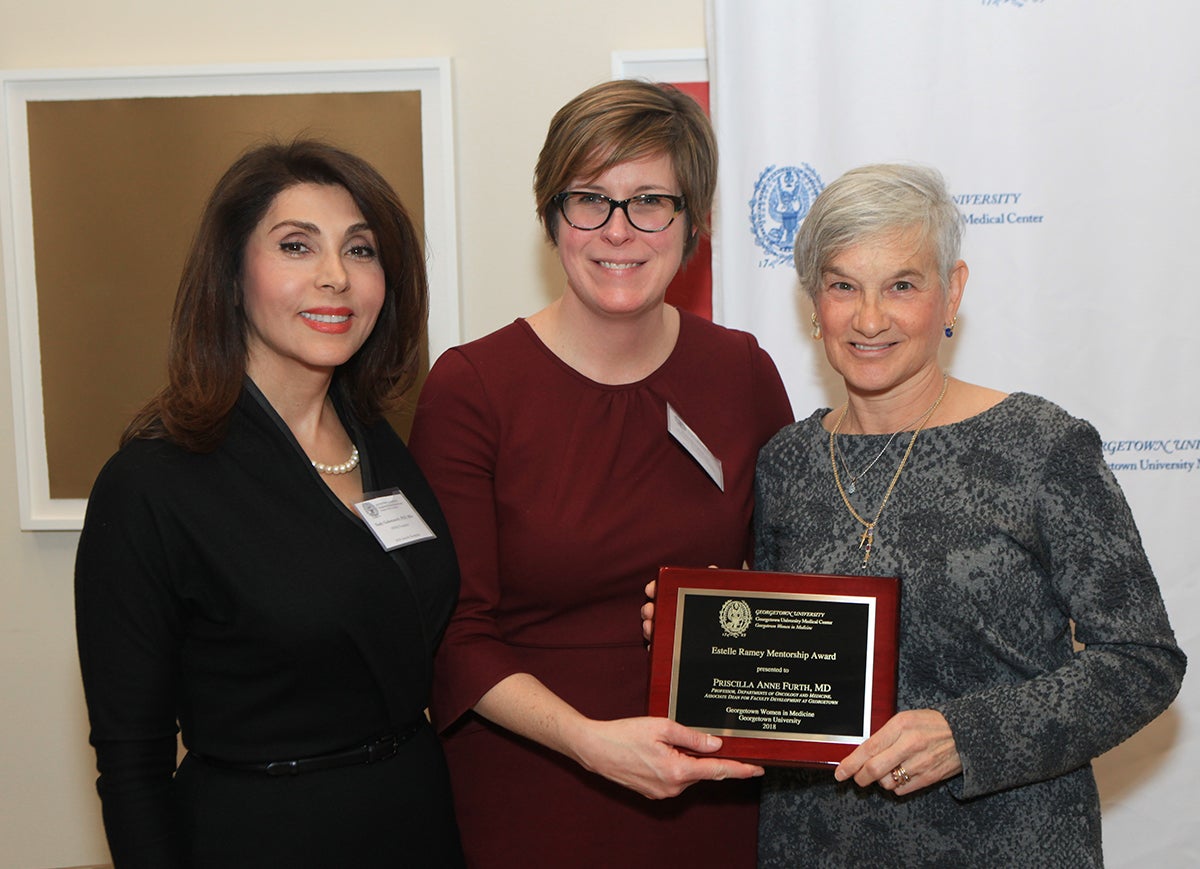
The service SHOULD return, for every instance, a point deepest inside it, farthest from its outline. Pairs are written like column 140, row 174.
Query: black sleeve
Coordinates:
column 128, row 625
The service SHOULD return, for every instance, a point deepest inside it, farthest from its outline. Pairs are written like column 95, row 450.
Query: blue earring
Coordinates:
column 950, row 328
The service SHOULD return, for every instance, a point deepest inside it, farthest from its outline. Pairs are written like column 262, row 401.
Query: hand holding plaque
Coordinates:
column 788, row 669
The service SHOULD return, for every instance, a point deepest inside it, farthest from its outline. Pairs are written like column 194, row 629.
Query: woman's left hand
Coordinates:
column 648, row 611
column 914, row 750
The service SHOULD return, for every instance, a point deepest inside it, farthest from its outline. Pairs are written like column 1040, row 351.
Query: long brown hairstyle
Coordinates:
column 206, row 358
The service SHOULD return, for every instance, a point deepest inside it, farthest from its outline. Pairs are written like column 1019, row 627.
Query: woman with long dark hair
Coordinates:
column 228, row 580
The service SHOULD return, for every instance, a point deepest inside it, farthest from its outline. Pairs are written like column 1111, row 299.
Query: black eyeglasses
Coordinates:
column 650, row 212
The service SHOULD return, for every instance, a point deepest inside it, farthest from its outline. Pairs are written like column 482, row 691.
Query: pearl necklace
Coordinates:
column 344, row 468
column 867, row 539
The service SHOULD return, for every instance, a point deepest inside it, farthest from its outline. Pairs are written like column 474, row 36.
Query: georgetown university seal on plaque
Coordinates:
column 735, row 618
column 782, row 196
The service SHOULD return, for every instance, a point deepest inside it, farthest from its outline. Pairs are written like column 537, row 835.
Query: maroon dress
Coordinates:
column 564, row 496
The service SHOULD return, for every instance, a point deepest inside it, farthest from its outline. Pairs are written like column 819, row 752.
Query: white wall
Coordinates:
column 514, row 64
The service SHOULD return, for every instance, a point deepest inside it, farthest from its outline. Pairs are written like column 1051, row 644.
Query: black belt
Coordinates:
column 372, row 752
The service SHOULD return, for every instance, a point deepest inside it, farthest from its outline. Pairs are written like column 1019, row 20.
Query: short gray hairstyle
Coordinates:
column 875, row 200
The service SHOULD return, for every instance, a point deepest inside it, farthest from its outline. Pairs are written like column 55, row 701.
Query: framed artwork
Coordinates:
column 105, row 174
column 687, row 69
column 675, row 66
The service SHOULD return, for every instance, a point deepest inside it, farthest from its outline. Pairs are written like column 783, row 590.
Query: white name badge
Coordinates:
column 691, row 442
column 393, row 520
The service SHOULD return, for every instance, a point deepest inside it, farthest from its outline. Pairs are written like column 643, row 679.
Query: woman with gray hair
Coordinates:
column 1006, row 528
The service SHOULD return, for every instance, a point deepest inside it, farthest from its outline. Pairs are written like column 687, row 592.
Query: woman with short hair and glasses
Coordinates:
column 554, row 446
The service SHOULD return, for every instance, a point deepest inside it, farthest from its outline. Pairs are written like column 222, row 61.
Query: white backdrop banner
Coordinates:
column 1068, row 131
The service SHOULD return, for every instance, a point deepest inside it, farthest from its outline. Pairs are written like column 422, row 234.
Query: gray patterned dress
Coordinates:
column 1003, row 528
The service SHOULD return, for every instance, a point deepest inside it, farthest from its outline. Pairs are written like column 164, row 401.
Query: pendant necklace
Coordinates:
column 852, row 485
column 867, row 538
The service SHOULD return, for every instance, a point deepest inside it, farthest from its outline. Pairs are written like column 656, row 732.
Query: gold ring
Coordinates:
column 901, row 776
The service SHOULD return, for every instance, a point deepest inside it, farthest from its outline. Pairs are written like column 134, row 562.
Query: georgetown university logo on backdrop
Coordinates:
column 782, row 196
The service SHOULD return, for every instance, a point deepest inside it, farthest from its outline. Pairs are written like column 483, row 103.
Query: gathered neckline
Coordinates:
column 684, row 327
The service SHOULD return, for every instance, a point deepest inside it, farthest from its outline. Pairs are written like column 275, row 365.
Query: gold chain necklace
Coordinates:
column 868, row 536
column 852, row 486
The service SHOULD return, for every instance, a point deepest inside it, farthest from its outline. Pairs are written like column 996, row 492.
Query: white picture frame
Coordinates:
column 673, row 65
column 430, row 76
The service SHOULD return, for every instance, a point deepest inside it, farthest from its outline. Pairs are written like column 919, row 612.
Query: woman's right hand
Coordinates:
column 654, row 756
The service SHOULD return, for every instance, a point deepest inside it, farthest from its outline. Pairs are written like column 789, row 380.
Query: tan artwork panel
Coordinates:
column 117, row 188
